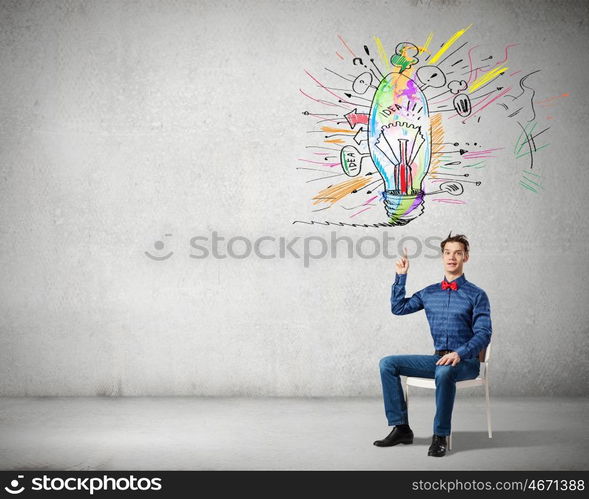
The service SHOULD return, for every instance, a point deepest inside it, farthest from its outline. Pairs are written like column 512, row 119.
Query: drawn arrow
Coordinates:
column 357, row 138
column 354, row 118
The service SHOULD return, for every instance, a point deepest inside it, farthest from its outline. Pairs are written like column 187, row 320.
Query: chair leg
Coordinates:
column 450, row 441
column 488, row 410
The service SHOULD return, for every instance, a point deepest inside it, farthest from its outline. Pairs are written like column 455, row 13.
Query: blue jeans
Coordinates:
column 423, row 366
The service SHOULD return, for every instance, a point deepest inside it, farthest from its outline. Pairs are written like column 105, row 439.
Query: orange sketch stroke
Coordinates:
column 334, row 193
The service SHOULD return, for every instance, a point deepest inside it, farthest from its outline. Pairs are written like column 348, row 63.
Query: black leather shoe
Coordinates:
column 395, row 437
column 438, row 446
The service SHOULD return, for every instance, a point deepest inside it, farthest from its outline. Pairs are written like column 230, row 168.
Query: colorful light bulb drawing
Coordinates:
column 399, row 140
column 400, row 145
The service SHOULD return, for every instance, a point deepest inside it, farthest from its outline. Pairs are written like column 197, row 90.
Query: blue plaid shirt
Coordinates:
column 459, row 320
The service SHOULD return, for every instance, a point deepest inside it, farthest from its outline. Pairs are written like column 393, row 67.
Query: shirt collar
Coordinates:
column 459, row 281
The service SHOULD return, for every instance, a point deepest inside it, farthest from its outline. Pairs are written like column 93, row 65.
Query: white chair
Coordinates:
column 482, row 380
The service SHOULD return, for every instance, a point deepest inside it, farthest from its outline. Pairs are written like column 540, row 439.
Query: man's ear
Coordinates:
column 466, row 257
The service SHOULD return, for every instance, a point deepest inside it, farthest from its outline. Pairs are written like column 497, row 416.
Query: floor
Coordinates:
column 283, row 434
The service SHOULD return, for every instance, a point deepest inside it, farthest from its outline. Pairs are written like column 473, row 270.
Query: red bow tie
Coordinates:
column 452, row 285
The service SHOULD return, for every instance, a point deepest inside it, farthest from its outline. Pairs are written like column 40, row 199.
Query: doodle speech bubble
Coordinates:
column 405, row 56
column 362, row 83
column 351, row 160
column 454, row 188
column 432, row 76
column 462, row 104
column 457, row 86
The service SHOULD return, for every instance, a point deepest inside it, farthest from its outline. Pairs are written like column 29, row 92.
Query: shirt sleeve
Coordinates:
column 481, row 328
column 401, row 305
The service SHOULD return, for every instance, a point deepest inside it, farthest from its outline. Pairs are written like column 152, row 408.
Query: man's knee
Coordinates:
column 445, row 374
column 388, row 364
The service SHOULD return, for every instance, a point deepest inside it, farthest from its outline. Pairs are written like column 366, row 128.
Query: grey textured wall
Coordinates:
column 121, row 122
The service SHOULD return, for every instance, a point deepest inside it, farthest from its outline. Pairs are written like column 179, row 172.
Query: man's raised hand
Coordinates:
column 402, row 264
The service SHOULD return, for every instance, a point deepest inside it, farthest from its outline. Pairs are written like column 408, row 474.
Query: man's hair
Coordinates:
column 458, row 238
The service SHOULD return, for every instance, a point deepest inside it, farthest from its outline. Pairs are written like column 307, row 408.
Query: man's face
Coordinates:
column 454, row 257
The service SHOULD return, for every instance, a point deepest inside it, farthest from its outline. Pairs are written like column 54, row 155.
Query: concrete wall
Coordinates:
column 121, row 122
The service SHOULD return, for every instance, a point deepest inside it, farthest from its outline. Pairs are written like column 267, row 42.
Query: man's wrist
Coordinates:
column 460, row 352
column 400, row 278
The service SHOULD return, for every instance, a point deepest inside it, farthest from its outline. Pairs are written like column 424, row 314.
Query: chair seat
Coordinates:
column 431, row 383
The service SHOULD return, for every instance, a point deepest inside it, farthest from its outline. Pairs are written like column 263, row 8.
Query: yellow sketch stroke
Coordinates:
column 448, row 44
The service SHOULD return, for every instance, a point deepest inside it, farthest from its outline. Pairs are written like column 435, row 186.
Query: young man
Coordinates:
column 459, row 317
